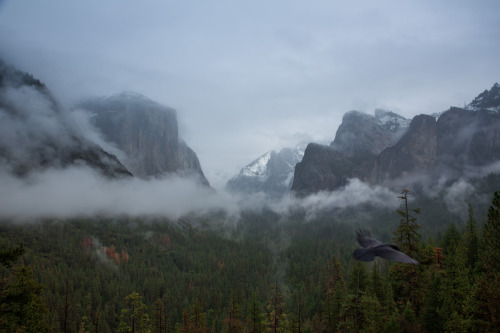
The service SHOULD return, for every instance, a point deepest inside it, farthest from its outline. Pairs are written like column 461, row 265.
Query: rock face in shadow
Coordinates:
column 147, row 133
column 468, row 138
column 460, row 140
column 37, row 134
column 416, row 150
column 322, row 169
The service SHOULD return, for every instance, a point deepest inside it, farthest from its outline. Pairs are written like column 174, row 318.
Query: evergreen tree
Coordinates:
column 451, row 239
column 158, row 317
column 376, row 285
column 471, row 239
column 406, row 279
column 407, row 236
column 455, row 288
column 487, row 292
column 409, row 322
column 277, row 318
column 198, row 318
column 7, row 256
column 255, row 315
column 335, row 293
column 432, row 318
column 233, row 322
column 134, row 317
column 371, row 314
column 22, row 308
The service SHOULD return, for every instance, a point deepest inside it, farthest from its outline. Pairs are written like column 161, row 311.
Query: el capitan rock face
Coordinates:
column 146, row 132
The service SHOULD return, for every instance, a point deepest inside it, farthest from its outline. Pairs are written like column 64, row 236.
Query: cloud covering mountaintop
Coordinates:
column 274, row 71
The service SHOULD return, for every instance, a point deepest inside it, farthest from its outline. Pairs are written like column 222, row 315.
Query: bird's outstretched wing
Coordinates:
column 391, row 253
column 365, row 240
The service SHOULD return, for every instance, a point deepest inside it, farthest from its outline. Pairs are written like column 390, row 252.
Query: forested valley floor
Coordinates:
column 264, row 273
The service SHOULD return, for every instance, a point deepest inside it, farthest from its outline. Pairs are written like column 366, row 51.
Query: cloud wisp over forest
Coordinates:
column 82, row 192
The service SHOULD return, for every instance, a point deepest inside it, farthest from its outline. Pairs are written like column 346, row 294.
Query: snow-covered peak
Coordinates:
column 487, row 100
column 258, row 167
column 271, row 173
column 390, row 120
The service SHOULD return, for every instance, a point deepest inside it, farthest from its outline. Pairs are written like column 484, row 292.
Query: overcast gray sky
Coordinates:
column 250, row 76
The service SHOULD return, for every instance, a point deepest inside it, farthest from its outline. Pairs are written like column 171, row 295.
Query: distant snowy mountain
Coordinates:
column 271, row 173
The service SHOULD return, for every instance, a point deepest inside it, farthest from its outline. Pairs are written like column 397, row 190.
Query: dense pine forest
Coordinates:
column 263, row 273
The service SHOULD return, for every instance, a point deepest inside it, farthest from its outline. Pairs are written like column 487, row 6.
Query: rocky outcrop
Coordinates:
column 468, row 137
column 322, row 168
column 461, row 139
column 325, row 169
column 487, row 100
column 36, row 133
column 146, row 132
column 361, row 133
column 416, row 150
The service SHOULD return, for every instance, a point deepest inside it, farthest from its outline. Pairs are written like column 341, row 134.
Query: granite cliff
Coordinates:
column 147, row 132
column 459, row 140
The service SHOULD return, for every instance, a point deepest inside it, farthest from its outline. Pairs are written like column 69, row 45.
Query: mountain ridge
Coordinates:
column 457, row 139
column 36, row 132
column 147, row 132
column 271, row 173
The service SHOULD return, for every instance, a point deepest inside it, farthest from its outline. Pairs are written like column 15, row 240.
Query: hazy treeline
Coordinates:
column 264, row 274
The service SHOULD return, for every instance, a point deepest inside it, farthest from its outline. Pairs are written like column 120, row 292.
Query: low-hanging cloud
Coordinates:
column 83, row 192
column 355, row 193
column 80, row 191
column 456, row 196
column 32, row 121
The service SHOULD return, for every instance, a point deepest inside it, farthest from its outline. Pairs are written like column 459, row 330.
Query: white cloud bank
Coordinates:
column 81, row 192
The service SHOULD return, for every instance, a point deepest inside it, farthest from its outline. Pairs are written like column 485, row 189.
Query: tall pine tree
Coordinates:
column 406, row 278
column 487, row 295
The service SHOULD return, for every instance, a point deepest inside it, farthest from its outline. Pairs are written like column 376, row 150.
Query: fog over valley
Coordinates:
column 265, row 166
column 76, row 140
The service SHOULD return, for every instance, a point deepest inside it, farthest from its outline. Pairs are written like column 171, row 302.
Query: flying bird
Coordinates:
column 372, row 248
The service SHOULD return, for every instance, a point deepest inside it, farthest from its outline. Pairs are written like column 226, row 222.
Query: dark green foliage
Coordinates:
column 264, row 274
column 406, row 279
column 407, row 235
column 22, row 306
column 451, row 239
column 487, row 293
column 471, row 239
column 134, row 316
column 7, row 256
